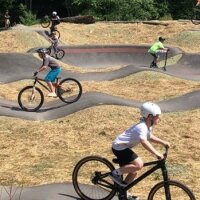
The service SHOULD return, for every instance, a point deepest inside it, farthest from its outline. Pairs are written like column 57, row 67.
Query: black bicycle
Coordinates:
column 195, row 17
column 31, row 98
column 91, row 181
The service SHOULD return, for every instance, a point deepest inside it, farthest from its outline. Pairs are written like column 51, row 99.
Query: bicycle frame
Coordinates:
column 38, row 80
column 159, row 164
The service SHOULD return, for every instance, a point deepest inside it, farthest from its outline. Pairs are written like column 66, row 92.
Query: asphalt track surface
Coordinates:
column 133, row 59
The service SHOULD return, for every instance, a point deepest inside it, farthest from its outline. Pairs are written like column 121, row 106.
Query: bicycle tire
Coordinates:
column 69, row 90
column 195, row 19
column 177, row 190
column 45, row 22
column 30, row 103
column 87, row 182
column 60, row 54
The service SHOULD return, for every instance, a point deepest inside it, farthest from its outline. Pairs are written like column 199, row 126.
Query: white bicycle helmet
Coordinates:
column 54, row 13
column 149, row 108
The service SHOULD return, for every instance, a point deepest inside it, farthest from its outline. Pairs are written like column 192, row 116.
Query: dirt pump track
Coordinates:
column 134, row 59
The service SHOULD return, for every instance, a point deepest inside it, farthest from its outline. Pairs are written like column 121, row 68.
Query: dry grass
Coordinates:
column 35, row 152
column 45, row 152
column 149, row 86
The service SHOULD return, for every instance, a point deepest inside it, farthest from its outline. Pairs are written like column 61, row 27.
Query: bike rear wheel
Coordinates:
column 177, row 191
column 60, row 54
column 30, row 98
column 45, row 22
column 69, row 90
column 196, row 16
column 91, row 179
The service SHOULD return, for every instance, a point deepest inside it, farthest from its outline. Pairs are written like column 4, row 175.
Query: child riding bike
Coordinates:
column 155, row 49
column 54, row 41
column 141, row 133
column 55, row 20
column 50, row 78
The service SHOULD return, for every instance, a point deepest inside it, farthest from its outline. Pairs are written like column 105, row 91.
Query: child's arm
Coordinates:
column 147, row 145
column 159, row 141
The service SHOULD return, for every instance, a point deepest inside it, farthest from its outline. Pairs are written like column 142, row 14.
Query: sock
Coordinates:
column 118, row 172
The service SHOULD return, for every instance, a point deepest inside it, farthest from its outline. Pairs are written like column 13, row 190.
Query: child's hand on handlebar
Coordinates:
column 160, row 156
column 35, row 73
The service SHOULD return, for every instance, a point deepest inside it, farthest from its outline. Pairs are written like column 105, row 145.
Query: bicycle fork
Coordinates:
column 166, row 182
column 32, row 97
column 122, row 193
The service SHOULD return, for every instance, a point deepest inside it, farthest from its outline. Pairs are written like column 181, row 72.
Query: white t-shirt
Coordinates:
column 132, row 136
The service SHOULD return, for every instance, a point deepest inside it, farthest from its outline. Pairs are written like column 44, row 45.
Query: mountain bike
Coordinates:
column 195, row 17
column 153, row 65
column 31, row 98
column 91, row 181
column 59, row 54
column 45, row 22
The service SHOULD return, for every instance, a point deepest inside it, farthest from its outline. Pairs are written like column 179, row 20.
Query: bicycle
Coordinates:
column 45, row 22
column 31, row 98
column 195, row 17
column 59, row 54
column 153, row 65
column 91, row 181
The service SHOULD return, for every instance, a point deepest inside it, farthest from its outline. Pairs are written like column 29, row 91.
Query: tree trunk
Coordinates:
column 86, row 19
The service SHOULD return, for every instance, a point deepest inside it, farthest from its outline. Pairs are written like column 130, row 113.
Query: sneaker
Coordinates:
column 52, row 94
column 132, row 197
column 156, row 66
column 117, row 179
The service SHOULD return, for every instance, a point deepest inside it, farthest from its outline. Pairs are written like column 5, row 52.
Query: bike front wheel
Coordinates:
column 91, row 179
column 45, row 22
column 30, row 99
column 69, row 90
column 60, row 54
column 174, row 190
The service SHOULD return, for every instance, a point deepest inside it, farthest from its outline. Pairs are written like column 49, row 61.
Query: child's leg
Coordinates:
column 50, row 78
column 131, row 169
column 51, row 87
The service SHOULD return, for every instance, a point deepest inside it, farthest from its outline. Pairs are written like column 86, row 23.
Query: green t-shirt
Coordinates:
column 155, row 47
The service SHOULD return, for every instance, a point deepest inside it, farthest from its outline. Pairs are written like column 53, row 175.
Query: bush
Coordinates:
column 28, row 18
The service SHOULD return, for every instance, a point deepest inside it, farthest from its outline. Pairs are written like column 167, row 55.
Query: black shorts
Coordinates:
column 125, row 156
column 155, row 55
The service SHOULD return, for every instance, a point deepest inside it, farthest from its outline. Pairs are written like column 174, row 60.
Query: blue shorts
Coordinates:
column 51, row 76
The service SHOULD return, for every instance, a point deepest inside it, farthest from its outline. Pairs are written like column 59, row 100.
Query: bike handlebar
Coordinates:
column 160, row 160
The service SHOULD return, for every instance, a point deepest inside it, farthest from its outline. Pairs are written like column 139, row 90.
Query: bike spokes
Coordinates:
column 30, row 98
column 69, row 90
column 174, row 192
column 92, row 183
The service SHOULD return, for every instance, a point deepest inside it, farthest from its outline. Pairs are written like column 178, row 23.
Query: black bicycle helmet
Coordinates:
column 42, row 50
column 161, row 39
